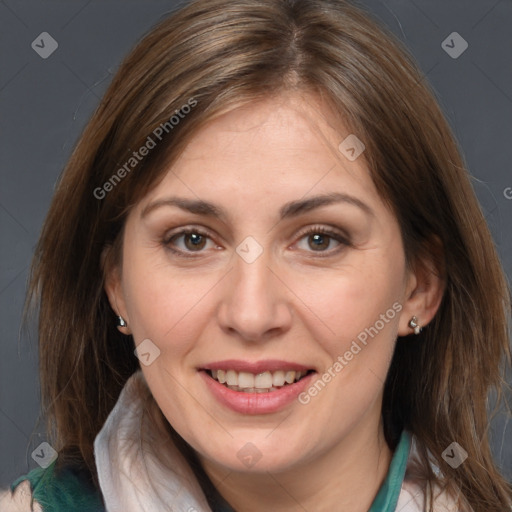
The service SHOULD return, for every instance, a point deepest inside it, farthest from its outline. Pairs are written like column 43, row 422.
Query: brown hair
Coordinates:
column 220, row 55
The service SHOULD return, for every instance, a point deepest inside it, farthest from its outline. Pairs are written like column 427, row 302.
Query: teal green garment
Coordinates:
column 67, row 492
column 387, row 497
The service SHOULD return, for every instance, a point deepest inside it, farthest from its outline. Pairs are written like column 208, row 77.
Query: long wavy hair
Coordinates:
column 216, row 55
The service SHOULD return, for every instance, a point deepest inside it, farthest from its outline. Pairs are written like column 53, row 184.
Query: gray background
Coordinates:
column 45, row 103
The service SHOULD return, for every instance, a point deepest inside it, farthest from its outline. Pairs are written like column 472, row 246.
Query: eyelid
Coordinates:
column 179, row 232
column 183, row 230
column 343, row 239
column 327, row 230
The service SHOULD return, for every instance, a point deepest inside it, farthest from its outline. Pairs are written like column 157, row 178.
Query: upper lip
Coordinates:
column 255, row 367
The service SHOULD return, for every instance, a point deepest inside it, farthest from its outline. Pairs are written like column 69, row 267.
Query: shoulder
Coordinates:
column 46, row 490
column 418, row 494
column 19, row 500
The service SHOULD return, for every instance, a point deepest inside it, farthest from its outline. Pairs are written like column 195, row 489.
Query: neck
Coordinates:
column 347, row 477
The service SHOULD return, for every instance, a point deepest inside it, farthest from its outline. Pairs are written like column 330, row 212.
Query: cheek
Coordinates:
column 360, row 304
column 168, row 307
column 357, row 333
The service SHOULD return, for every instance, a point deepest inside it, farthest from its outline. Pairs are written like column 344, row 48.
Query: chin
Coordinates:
column 258, row 456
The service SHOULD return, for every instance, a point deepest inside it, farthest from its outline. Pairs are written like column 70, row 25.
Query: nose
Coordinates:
column 255, row 304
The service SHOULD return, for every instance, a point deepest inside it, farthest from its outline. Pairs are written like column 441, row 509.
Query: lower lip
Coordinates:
column 255, row 403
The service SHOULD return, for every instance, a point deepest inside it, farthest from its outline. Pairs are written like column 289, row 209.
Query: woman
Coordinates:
column 269, row 207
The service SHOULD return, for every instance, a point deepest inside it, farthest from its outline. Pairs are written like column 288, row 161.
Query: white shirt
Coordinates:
column 134, row 452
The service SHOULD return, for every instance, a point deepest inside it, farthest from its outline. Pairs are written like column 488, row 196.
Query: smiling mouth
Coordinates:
column 264, row 382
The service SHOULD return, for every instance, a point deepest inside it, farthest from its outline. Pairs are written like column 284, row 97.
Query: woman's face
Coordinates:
column 263, row 252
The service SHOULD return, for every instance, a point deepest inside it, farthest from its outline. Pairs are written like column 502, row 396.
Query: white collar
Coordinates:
column 138, row 475
column 151, row 475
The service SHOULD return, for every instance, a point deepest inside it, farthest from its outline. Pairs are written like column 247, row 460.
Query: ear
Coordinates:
column 424, row 291
column 113, row 287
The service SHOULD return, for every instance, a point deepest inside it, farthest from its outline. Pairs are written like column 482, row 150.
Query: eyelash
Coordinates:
column 314, row 230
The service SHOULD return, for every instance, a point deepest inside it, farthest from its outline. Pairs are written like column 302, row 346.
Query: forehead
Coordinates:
column 284, row 146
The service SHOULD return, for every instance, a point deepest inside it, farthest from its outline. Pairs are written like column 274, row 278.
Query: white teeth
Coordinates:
column 260, row 383
column 289, row 377
column 262, row 380
column 231, row 378
column 246, row 380
column 278, row 378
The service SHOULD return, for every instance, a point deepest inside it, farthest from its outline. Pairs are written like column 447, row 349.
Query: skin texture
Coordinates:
column 295, row 302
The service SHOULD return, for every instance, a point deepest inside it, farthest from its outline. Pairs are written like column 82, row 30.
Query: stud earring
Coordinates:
column 121, row 322
column 413, row 324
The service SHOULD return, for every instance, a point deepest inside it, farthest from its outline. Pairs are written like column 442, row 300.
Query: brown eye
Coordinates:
column 324, row 242
column 188, row 241
column 194, row 241
column 319, row 241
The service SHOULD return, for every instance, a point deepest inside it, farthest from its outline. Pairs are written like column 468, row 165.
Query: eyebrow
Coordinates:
column 288, row 210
